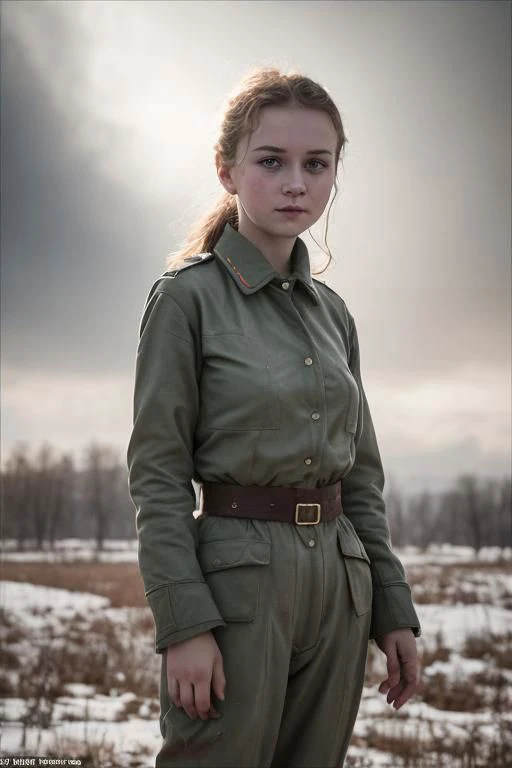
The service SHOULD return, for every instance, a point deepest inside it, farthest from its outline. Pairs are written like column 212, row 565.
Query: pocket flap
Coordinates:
column 231, row 553
column 351, row 545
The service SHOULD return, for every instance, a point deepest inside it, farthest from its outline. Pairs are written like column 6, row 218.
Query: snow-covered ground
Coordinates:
column 72, row 550
column 125, row 550
column 56, row 642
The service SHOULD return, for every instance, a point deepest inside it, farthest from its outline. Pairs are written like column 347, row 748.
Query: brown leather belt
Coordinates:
column 302, row 506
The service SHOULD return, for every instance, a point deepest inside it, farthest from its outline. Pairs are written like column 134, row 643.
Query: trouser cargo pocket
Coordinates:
column 189, row 737
column 233, row 570
column 357, row 566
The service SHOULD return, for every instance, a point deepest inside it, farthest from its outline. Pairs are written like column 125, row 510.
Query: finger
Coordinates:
column 187, row 699
column 202, row 697
column 218, row 678
column 404, row 696
column 395, row 692
column 393, row 666
column 411, row 683
column 174, row 691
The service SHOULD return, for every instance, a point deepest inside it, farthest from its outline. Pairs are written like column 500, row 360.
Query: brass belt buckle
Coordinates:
column 307, row 522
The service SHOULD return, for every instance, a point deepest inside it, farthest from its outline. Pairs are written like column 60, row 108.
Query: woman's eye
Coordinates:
column 316, row 165
column 273, row 162
column 268, row 162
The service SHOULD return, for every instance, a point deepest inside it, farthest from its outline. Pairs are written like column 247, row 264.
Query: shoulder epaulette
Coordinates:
column 190, row 261
column 331, row 290
column 322, row 282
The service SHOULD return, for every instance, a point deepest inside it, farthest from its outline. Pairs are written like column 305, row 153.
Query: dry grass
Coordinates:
column 120, row 582
column 439, row 653
column 490, row 648
column 500, row 565
column 430, row 744
column 117, row 657
column 101, row 754
column 464, row 583
column 93, row 651
column 452, row 695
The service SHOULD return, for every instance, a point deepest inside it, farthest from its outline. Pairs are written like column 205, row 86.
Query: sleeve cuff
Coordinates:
column 182, row 610
column 393, row 609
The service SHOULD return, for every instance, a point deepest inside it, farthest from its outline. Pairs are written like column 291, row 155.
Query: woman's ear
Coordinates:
column 224, row 175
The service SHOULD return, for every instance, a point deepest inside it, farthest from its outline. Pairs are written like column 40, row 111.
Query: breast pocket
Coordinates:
column 342, row 392
column 239, row 390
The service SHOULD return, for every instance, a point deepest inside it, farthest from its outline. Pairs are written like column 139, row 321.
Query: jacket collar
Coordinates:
column 250, row 269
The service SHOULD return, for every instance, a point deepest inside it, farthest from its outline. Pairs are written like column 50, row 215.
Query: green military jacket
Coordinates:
column 247, row 377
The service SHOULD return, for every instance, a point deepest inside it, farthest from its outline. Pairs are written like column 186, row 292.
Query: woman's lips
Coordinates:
column 292, row 212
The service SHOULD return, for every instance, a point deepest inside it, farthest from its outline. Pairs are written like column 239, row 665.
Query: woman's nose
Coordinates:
column 294, row 184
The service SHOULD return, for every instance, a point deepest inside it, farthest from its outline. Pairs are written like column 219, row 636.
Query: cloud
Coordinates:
column 75, row 244
column 68, row 410
column 109, row 116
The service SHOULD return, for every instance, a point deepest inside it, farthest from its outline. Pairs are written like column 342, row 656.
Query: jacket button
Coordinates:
column 308, row 361
column 315, row 416
column 285, row 285
column 311, row 543
column 234, row 505
column 307, row 460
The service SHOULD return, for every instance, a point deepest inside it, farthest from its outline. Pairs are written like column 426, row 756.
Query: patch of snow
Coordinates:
column 455, row 623
column 68, row 550
column 80, row 689
column 13, row 709
column 372, row 757
column 121, row 550
column 73, row 556
column 493, row 554
column 444, row 554
column 99, row 719
column 419, row 710
column 87, row 709
column 145, row 710
column 134, row 736
column 25, row 599
column 420, row 730
column 373, row 703
column 457, row 668
column 68, row 545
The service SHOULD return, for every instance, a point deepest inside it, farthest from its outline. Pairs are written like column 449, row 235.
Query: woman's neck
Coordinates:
column 276, row 250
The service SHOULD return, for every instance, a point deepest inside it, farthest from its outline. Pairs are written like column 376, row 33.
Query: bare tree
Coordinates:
column 63, row 485
column 16, row 492
column 505, row 512
column 449, row 518
column 420, row 519
column 42, row 496
column 47, row 497
column 474, row 515
column 101, row 473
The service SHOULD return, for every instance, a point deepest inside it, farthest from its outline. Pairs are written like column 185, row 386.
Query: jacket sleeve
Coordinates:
column 160, row 472
column 364, row 505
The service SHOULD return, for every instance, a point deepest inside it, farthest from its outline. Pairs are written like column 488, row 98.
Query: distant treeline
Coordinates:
column 46, row 497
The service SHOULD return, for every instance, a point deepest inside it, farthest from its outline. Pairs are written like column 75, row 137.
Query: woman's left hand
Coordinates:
column 403, row 666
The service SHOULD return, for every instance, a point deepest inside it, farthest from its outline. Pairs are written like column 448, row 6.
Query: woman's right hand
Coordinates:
column 194, row 669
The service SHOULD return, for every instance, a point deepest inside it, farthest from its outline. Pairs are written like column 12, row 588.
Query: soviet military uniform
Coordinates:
column 250, row 378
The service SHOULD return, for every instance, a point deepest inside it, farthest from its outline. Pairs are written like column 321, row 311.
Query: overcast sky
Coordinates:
column 108, row 120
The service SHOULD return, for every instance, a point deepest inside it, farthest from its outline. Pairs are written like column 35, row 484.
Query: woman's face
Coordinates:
column 288, row 161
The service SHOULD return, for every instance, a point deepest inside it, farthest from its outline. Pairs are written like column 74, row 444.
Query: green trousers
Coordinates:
column 297, row 605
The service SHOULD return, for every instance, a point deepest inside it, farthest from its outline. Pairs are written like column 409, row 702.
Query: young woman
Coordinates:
column 248, row 381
